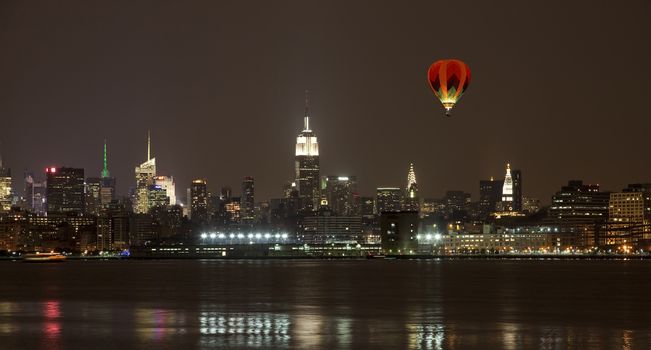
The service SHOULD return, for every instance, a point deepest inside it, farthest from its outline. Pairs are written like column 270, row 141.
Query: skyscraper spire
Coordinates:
column 148, row 144
column 507, row 189
column 105, row 171
column 411, row 177
column 306, row 118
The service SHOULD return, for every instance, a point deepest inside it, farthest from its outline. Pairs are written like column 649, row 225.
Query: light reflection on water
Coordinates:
column 251, row 330
column 329, row 305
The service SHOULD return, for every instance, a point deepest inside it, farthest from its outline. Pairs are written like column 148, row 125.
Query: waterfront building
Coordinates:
column 578, row 211
column 325, row 227
column 629, row 217
column 399, row 231
column 143, row 230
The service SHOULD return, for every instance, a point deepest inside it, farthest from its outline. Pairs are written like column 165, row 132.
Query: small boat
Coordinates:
column 371, row 256
column 44, row 257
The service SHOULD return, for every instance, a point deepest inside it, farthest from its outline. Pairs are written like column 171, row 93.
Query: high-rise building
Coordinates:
column 577, row 213
column 199, row 201
column 35, row 194
column 65, row 190
column 167, row 184
column 411, row 202
column 629, row 216
column 507, row 190
column 530, row 205
column 341, row 194
column 145, row 174
column 5, row 187
column 93, row 196
column 107, row 183
column 306, row 164
column 247, row 200
column 326, row 228
column 388, row 199
column 490, row 193
column 457, row 204
column 157, row 197
column 516, row 176
column 399, row 231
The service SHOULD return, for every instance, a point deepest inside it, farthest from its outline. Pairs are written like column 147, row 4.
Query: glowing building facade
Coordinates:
column 145, row 174
column 388, row 199
column 342, row 196
column 411, row 201
column 199, row 201
column 507, row 190
column 247, row 200
column 5, row 187
column 167, row 184
column 107, row 183
column 306, row 165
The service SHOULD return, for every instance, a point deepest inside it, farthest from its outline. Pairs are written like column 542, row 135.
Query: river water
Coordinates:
column 319, row 304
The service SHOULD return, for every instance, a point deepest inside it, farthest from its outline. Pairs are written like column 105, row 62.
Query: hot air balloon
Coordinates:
column 448, row 79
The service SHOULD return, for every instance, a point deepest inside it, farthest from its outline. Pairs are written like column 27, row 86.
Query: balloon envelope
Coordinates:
column 448, row 79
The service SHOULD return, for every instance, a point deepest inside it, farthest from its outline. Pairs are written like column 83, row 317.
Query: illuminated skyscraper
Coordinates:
column 65, row 190
column 145, row 174
column 411, row 199
column 167, row 184
column 107, row 183
column 507, row 190
column 516, row 175
column 388, row 199
column 5, row 187
column 247, row 201
column 307, row 164
column 92, row 195
column 199, row 201
column 341, row 193
column 35, row 194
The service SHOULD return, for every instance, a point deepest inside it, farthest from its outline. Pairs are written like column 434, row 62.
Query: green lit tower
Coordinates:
column 107, row 183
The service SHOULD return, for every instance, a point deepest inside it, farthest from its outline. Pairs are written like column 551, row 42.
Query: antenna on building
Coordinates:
column 148, row 144
column 306, row 118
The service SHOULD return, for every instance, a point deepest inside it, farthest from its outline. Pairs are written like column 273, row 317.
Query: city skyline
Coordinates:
column 325, row 174
column 196, row 85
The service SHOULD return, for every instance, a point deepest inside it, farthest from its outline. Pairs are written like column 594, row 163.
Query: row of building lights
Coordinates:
column 243, row 236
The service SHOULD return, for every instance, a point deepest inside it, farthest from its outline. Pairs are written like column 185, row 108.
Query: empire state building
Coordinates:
column 306, row 165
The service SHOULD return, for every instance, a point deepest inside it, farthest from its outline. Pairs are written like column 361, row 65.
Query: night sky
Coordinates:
column 560, row 89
